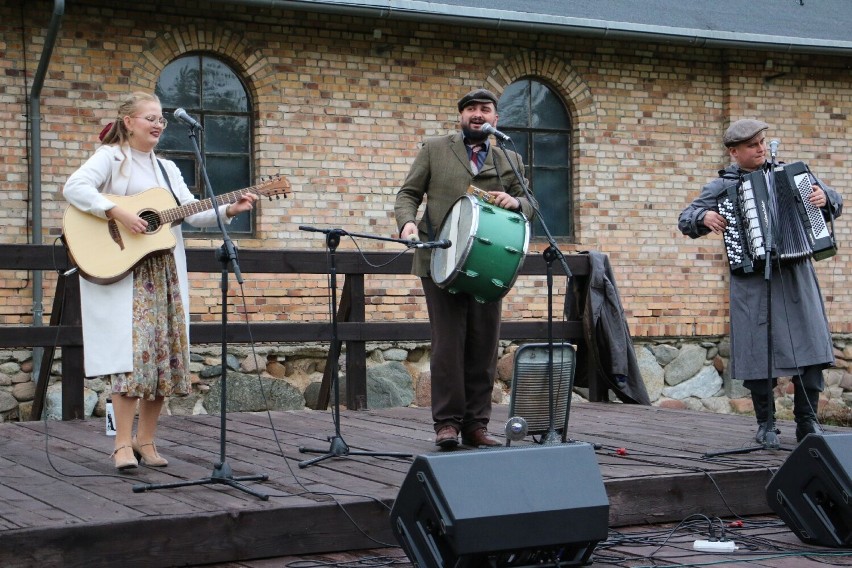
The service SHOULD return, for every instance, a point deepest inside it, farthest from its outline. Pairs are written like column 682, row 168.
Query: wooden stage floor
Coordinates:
column 63, row 504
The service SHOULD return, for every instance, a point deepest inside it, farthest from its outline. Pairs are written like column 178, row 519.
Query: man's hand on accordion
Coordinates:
column 817, row 197
column 714, row 221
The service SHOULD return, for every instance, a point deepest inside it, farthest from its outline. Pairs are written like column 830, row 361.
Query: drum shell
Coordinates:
column 489, row 245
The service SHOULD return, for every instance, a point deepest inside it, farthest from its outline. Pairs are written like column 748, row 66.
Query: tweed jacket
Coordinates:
column 441, row 172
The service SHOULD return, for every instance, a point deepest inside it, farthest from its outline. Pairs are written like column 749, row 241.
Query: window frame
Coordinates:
column 528, row 134
column 244, row 225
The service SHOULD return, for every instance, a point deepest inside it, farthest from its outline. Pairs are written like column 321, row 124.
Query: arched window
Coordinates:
column 211, row 92
column 540, row 127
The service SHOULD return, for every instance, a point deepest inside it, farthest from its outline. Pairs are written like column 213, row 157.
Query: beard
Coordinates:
column 473, row 135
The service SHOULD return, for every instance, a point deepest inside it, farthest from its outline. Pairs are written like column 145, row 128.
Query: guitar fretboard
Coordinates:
column 179, row 213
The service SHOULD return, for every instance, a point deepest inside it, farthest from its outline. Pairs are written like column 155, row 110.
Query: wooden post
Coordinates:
column 65, row 312
column 343, row 310
column 356, row 351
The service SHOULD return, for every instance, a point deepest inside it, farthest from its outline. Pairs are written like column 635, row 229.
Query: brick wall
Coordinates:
column 341, row 104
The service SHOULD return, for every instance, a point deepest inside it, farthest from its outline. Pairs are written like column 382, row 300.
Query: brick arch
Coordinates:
column 553, row 70
column 247, row 60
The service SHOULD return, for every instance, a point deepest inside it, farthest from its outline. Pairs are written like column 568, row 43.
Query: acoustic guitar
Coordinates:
column 105, row 251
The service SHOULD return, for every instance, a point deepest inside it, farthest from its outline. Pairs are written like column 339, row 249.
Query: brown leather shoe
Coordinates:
column 479, row 438
column 447, row 437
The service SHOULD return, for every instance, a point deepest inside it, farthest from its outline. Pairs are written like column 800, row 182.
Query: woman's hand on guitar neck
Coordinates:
column 245, row 203
column 133, row 222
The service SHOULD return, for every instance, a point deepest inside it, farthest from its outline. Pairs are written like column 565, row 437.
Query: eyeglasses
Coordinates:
column 161, row 120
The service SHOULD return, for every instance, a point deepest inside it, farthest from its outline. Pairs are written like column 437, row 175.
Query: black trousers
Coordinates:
column 465, row 335
column 810, row 378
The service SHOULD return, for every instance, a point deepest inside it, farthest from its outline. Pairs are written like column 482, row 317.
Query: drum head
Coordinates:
column 458, row 227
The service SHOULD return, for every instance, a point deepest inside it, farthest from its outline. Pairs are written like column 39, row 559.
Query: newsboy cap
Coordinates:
column 742, row 131
column 477, row 96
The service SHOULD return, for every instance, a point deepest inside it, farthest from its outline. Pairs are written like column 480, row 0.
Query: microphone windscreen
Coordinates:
column 516, row 429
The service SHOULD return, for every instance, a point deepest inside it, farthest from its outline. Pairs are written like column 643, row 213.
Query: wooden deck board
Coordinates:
column 47, row 514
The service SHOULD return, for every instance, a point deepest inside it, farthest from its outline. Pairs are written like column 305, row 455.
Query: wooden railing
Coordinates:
column 354, row 329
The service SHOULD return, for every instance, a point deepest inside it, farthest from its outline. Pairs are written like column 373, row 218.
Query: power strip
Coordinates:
column 714, row 546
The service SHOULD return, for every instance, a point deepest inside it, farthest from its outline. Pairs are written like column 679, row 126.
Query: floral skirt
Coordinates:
column 160, row 345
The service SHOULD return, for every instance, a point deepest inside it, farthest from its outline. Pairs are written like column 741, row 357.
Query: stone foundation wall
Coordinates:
column 678, row 373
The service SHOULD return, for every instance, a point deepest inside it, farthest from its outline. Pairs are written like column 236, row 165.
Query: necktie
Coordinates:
column 475, row 158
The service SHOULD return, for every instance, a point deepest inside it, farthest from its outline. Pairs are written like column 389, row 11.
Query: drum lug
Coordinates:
column 512, row 250
column 499, row 284
column 484, row 240
column 470, row 274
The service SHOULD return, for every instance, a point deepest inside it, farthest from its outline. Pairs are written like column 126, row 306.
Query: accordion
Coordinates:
column 800, row 229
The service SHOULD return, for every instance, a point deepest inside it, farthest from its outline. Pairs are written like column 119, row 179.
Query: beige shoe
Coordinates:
column 147, row 454
column 122, row 463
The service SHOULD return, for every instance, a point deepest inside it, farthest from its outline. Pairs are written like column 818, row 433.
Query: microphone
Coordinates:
column 488, row 129
column 181, row 115
column 442, row 244
column 773, row 148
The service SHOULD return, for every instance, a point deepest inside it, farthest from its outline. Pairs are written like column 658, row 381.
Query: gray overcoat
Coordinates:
column 442, row 171
column 800, row 333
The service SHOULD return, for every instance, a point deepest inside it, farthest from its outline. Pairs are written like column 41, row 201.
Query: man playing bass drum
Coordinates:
column 465, row 332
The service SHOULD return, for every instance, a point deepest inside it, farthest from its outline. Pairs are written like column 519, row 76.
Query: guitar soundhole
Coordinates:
column 153, row 219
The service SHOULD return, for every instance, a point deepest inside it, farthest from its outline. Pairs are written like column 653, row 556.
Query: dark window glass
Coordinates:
column 540, row 127
column 212, row 93
column 180, row 83
column 222, row 89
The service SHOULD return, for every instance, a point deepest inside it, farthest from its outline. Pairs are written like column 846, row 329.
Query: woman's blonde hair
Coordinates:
column 118, row 134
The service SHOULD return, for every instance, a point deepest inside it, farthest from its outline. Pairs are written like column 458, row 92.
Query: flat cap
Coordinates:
column 742, row 131
column 478, row 96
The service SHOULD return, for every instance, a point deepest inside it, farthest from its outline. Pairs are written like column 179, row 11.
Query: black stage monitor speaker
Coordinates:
column 812, row 488
column 504, row 507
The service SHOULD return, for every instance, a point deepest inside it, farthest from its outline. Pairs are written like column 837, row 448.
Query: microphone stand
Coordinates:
column 550, row 254
column 770, row 441
column 338, row 447
column 227, row 255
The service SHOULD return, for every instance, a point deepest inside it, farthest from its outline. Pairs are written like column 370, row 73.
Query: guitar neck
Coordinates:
column 180, row 213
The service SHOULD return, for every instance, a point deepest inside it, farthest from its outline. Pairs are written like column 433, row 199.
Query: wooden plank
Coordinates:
column 271, row 261
column 195, row 540
column 270, row 461
column 34, row 257
column 651, row 500
column 43, row 336
column 266, row 332
column 663, row 478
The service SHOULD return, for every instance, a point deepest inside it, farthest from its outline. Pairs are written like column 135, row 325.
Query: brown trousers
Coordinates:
column 465, row 336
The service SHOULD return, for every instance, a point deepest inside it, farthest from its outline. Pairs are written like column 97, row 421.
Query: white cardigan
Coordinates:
column 107, row 310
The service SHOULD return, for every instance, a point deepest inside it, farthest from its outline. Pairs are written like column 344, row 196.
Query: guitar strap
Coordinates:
column 168, row 181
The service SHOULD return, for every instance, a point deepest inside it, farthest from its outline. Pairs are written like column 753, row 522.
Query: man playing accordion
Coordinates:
column 801, row 341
